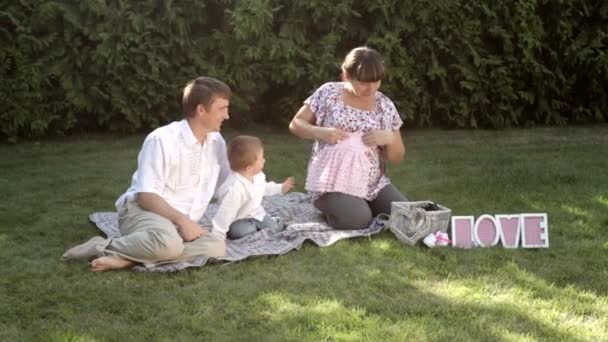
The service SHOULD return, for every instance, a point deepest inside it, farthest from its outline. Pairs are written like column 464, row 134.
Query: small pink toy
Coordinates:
column 437, row 238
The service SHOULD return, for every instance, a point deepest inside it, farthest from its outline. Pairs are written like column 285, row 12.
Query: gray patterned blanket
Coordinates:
column 304, row 222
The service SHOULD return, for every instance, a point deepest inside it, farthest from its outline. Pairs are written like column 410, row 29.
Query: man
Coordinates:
column 180, row 165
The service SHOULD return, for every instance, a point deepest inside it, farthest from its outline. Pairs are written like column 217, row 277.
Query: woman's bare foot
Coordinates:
column 106, row 263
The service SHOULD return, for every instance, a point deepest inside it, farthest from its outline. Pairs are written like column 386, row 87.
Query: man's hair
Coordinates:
column 202, row 90
column 243, row 151
column 364, row 64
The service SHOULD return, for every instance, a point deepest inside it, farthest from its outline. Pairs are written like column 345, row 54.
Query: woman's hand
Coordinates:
column 304, row 126
column 378, row 138
column 287, row 184
column 331, row 135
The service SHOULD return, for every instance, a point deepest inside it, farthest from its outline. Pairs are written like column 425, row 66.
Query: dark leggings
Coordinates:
column 344, row 211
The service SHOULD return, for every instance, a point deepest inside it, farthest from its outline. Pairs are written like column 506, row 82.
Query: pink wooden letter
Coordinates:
column 486, row 232
column 510, row 228
column 462, row 231
column 535, row 231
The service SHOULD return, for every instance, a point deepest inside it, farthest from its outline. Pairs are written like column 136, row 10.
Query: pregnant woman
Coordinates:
column 356, row 129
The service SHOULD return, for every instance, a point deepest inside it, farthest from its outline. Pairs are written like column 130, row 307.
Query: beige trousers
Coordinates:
column 151, row 239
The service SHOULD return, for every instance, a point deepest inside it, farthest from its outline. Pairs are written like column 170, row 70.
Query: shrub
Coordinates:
column 119, row 65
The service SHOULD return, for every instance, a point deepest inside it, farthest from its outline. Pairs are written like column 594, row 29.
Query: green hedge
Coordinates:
column 119, row 65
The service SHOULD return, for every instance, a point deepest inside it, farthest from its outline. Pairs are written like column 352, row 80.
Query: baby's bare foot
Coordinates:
column 106, row 263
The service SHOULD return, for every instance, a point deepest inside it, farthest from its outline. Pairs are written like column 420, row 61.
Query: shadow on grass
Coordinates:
column 557, row 172
column 321, row 318
column 357, row 289
column 578, row 232
column 398, row 306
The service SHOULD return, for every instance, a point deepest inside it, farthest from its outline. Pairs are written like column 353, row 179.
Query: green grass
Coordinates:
column 362, row 289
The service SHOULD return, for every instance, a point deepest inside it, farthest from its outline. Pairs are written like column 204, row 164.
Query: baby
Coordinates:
column 240, row 212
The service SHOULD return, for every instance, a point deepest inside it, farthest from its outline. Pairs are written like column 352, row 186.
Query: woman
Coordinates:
column 355, row 129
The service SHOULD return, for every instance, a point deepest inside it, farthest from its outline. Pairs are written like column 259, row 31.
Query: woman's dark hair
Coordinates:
column 363, row 64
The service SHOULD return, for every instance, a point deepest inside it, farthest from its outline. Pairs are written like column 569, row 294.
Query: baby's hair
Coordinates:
column 243, row 151
column 364, row 64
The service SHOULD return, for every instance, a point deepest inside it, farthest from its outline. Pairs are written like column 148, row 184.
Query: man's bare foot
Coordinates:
column 106, row 263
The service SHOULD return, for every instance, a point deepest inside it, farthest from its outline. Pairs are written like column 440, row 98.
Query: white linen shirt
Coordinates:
column 241, row 198
column 182, row 171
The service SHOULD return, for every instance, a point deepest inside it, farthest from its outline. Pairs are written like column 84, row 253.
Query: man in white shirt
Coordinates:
column 180, row 165
column 240, row 212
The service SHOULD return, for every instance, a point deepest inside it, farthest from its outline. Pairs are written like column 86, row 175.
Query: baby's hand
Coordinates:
column 287, row 184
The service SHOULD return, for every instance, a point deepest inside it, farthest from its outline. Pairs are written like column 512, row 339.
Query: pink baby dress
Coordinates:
column 362, row 178
column 343, row 167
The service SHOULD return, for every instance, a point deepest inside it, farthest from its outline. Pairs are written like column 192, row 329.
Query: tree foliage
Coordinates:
column 119, row 65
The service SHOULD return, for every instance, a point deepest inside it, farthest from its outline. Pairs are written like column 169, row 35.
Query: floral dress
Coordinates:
column 349, row 167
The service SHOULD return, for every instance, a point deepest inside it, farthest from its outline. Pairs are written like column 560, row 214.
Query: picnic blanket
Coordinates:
column 303, row 220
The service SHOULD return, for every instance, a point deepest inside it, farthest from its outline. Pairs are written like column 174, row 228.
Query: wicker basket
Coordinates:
column 410, row 222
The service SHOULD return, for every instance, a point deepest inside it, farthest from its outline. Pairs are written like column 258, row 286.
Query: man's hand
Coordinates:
column 331, row 135
column 287, row 184
column 190, row 231
column 187, row 229
column 378, row 138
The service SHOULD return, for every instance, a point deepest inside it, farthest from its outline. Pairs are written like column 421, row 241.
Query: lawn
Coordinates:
column 366, row 289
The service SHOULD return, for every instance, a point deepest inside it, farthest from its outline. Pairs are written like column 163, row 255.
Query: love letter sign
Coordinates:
column 487, row 230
